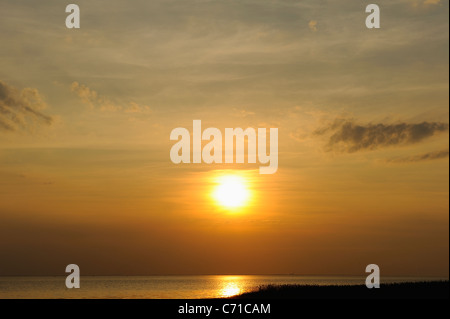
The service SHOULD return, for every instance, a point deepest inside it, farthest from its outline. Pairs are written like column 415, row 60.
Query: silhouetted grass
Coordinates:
column 410, row 290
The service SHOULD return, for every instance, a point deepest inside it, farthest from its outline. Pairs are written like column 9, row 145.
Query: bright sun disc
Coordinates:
column 231, row 191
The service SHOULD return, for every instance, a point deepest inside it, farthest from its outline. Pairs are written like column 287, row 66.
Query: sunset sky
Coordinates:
column 86, row 116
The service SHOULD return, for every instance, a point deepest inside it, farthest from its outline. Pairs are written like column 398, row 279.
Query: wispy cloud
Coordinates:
column 21, row 109
column 432, row 1
column 312, row 25
column 422, row 157
column 242, row 113
column 424, row 3
column 348, row 136
column 95, row 100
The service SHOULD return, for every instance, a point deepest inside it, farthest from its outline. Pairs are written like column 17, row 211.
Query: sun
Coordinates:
column 231, row 191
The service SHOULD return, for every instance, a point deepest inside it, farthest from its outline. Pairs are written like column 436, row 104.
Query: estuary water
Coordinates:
column 165, row 287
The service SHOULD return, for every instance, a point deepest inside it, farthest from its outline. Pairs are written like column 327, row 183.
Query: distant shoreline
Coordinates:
column 409, row 290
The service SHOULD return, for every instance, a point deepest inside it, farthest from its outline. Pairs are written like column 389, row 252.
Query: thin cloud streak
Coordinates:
column 348, row 136
column 422, row 157
column 94, row 100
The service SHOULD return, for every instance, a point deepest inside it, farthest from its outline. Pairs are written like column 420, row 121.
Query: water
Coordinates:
column 164, row 287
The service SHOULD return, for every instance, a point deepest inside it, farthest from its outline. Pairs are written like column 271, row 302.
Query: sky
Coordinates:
column 86, row 116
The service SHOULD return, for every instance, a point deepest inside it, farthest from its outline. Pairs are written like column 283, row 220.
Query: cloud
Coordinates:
column 347, row 136
column 313, row 25
column 298, row 135
column 422, row 157
column 432, row 2
column 242, row 113
column 135, row 108
column 87, row 96
column 96, row 101
column 92, row 99
column 20, row 109
column 424, row 3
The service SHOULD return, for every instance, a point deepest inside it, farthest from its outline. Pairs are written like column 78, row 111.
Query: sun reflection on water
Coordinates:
column 230, row 289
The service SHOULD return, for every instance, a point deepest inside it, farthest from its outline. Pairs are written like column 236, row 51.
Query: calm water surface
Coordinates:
column 163, row 287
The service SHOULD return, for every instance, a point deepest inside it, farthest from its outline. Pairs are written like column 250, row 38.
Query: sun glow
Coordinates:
column 231, row 289
column 231, row 191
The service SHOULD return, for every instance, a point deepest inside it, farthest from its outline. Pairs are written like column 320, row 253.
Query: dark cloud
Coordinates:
column 422, row 157
column 347, row 136
column 21, row 108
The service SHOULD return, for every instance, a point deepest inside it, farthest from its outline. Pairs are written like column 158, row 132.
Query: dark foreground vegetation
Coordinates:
column 416, row 290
